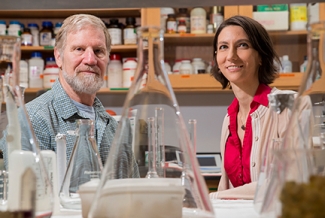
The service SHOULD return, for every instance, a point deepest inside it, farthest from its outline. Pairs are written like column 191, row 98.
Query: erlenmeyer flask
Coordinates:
column 22, row 155
column 84, row 165
column 307, row 120
column 280, row 104
column 123, row 190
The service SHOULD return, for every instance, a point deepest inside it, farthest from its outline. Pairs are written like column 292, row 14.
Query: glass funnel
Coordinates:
column 85, row 165
column 307, row 122
column 142, row 176
column 29, row 190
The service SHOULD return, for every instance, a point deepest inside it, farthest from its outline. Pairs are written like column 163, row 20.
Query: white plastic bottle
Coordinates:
column 198, row 20
column 167, row 68
column 186, row 67
column 14, row 28
column 35, row 33
column 23, row 73
column 129, row 67
column 3, row 27
column 36, row 67
column 51, row 73
column 197, row 65
column 303, row 66
column 298, row 16
column 115, row 70
column 286, row 64
column 176, row 66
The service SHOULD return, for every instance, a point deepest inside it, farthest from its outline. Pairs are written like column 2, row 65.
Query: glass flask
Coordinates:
column 280, row 104
column 84, row 165
column 29, row 190
column 306, row 126
column 124, row 190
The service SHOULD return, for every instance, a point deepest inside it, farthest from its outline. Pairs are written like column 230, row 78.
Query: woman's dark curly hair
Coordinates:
column 261, row 42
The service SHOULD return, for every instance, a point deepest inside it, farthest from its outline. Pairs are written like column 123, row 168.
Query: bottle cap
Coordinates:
column 130, row 20
column 2, row 22
column 49, row 59
column 36, row 54
column 116, row 57
column 47, row 24
column 58, row 24
column 14, row 22
column 31, row 25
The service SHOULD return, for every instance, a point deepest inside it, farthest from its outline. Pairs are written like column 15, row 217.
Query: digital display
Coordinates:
column 207, row 161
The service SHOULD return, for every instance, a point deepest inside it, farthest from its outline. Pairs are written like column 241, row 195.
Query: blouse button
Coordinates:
column 256, row 138
column 253, row 164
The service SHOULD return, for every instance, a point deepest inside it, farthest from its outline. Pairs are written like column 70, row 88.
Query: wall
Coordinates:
column 207, row 108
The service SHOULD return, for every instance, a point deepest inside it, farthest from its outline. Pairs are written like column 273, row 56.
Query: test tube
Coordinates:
column 192, row 132
column 152, row 171
column 159, row 116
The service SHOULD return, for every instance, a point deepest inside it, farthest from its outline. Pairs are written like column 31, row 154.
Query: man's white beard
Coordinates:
column 88, row 84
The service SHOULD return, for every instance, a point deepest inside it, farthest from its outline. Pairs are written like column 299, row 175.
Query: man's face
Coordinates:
column 84, row 59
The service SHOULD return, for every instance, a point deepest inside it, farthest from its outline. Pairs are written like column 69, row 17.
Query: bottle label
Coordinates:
column 116, row 36
column 130, row 36
column 298, row 13
column 187, row 22
column 26, row 39
column 171, row 26
column 198, row 24
column 181, row 29
column 35, row 77
column 45, row 38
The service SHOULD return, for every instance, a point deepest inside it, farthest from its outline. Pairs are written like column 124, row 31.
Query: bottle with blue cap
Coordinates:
column 3, row 27
column 35, row 33
column 46, row 34
column 36, row 67
column 14, row 28
column 55, row 31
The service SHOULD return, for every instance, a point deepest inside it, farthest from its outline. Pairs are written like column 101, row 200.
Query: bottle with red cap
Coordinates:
column 115, row 71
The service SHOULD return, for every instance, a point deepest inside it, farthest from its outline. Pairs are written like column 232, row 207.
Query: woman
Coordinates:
column 245, row 61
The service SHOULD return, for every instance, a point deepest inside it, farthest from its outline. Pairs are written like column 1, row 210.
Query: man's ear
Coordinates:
column 58, row 59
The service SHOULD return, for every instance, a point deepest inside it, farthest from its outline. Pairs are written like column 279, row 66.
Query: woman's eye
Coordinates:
column 221, row 47
column 245, row 45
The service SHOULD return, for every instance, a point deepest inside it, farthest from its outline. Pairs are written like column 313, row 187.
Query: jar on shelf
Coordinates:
column 171, row 26
column 129, row 67
column 36, row 67
column 186, row 67
column 115, row 71
column 181, row 27
column 183, row 15
column 3, row 27
column 163, row 16
column 51, row 73
column 26, row 37
column 198, row 20
column 46, row 34
column 129, row 32
column 23, row 73
column 14, row 28
column 216, row 17
column 35, row 33
column 176, row 66
column 197, row 64
column 115, row 32
column 55, row 31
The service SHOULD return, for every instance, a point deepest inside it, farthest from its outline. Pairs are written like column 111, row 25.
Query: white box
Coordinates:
column 273, row 20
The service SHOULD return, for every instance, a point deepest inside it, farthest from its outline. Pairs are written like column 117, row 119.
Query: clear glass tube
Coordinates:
column 152, row 149
column 159, row 121
column 192, row 130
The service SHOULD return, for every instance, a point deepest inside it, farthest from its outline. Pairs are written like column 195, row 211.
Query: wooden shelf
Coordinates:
column 196, row 83
column 63, row 13
column 115, row 48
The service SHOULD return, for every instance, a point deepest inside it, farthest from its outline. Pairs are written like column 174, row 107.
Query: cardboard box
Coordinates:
column 273, row 20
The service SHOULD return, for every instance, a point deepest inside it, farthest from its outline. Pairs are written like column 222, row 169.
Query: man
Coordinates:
column 82, row 54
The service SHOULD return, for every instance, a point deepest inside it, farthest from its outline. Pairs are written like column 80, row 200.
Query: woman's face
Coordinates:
column 237, row 59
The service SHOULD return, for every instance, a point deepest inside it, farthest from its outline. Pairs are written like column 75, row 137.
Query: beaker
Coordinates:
column 84, row 165
column 123, row 190
column 306, row 122
column 23, row 159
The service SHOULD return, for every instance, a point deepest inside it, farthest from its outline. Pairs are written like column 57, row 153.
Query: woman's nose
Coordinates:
column 232, row 54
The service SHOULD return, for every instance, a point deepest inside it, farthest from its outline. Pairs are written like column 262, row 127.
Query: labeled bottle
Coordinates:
column 176, row 66
column 171, row 26
column 197, row 64
column 23, row 73
column 286, row 64
column 35, row 33
column 3, row 27
column 51, row 73
column 184, row 15
column 115, row 70
column 14, row 28
column 298, row 16
column 181, row 27
column 216, row 17
column 210, row 28
column 26, row 37
column 303, row 66
column 115, row 32
column 163, row 16
column 185, row 67
column 198, row 21
column 46, row 34
column 36, row 67
column 55, row 31
column 129, row 32
column 129, row 67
